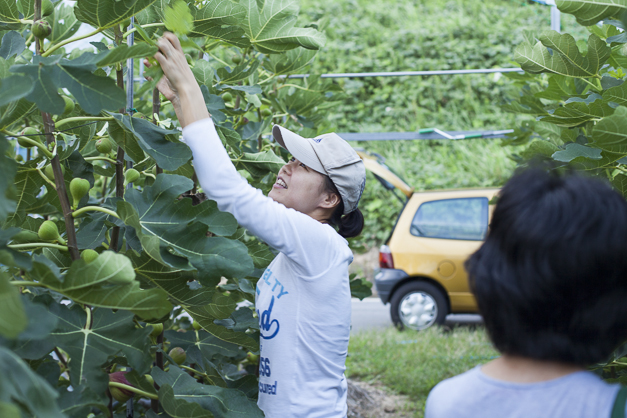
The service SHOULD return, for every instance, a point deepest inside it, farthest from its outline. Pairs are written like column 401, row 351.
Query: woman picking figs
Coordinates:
column 303, row 297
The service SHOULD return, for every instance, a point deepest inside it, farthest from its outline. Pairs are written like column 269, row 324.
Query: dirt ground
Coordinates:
column 370, row 401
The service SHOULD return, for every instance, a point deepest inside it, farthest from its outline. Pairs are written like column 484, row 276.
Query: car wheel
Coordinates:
column 418, row 305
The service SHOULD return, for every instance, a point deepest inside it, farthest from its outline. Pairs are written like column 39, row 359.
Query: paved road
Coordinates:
column 370, row 313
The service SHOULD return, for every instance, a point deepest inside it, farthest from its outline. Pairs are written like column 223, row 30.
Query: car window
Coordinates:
column 452, row 219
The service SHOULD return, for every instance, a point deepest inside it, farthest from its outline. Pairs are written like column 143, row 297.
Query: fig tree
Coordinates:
column 24, row 237
column 104, row 146
column 48, row 232
column 156, row 329
column 178, row 355
column 131, row 175
column 252, row 358
column 47, row 8
column 89, row 255
column 120, row 395
column 69, row 106
column 31, row 133
column 126, row 23
column 41, row 29
column 78, row 188
column 266, row 112
column 121, row 279
column 227, row 97
column 50, row 173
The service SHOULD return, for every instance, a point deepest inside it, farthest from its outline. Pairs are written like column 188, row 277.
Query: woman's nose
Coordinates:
column 287, row 169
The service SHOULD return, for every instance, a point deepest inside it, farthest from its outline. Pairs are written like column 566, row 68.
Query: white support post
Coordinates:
column 555, row 19
column 130, row 83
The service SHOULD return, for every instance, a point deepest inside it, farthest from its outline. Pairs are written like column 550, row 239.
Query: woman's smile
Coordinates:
column 280, row 183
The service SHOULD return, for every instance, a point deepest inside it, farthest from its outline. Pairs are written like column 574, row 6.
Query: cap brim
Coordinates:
column 301, row 148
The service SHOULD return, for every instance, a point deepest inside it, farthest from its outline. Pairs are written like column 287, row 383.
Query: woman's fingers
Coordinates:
column 160, row 58
column 174, row 40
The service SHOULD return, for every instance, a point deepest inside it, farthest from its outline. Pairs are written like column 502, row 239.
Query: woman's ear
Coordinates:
column 330, row 201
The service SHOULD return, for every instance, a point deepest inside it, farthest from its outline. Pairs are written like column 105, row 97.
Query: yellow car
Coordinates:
column 421, row 266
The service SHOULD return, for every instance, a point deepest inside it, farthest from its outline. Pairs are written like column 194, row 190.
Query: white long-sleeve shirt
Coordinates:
column 303, row 297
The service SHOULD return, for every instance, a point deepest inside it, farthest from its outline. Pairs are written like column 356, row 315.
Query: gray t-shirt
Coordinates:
column 475, row 395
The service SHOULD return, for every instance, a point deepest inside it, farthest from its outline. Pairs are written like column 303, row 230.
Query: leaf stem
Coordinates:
column 592, row 85
column 36, row 245
column 88, row 319
column 84, row 118
column 107, row 159
column 39, row 145
column 26, row 21
column 68, row 41
column 83, row 210
column 133, row 389
column 216, row 58
column 54, row 186
column 294, row 85
column 22, row 283
column 197, row 372
column 149, row 25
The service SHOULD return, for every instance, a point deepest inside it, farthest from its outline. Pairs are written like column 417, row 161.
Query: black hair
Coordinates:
column 349, row 225
column 551, row 278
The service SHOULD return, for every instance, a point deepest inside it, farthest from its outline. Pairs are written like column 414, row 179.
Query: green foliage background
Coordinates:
column 408, row 35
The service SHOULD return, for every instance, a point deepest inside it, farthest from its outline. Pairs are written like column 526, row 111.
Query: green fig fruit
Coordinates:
column 119, row 394
column 178, row 355
column 227, row 97
column 236, row 59
column 149, row 379
column 41, row 29
column 196, row 326
column 252, row 358
column 104, row 146
column 189, row 59
column 69, row 105
column 266, row 112
column 50, row 173
column 47, row 8
column 25, row 236
column 19, row 158
column 121, row 279
column 79, row 188
column 31, row 133
column 131, row 175
column 48, row 232
column 156, row 329
column 89, row 255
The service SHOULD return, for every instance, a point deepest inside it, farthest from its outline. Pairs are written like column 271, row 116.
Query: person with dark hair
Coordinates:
column 303, row 298
column 551, row 284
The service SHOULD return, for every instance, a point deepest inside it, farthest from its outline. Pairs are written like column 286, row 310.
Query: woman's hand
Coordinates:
column 178, row 83
column 174, row 64
column 163, row 85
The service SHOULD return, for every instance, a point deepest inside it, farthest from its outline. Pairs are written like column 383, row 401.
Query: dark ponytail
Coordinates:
column 349, row 225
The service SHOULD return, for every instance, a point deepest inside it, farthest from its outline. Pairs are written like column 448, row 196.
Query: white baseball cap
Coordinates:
column 330, row 155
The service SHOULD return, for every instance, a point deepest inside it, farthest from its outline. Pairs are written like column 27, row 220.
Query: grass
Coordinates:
column 412, row 363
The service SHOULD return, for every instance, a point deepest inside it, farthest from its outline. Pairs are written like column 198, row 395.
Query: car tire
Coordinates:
column 418, row 305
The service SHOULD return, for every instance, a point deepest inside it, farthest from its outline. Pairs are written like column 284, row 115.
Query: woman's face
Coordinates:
column 299, row 187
